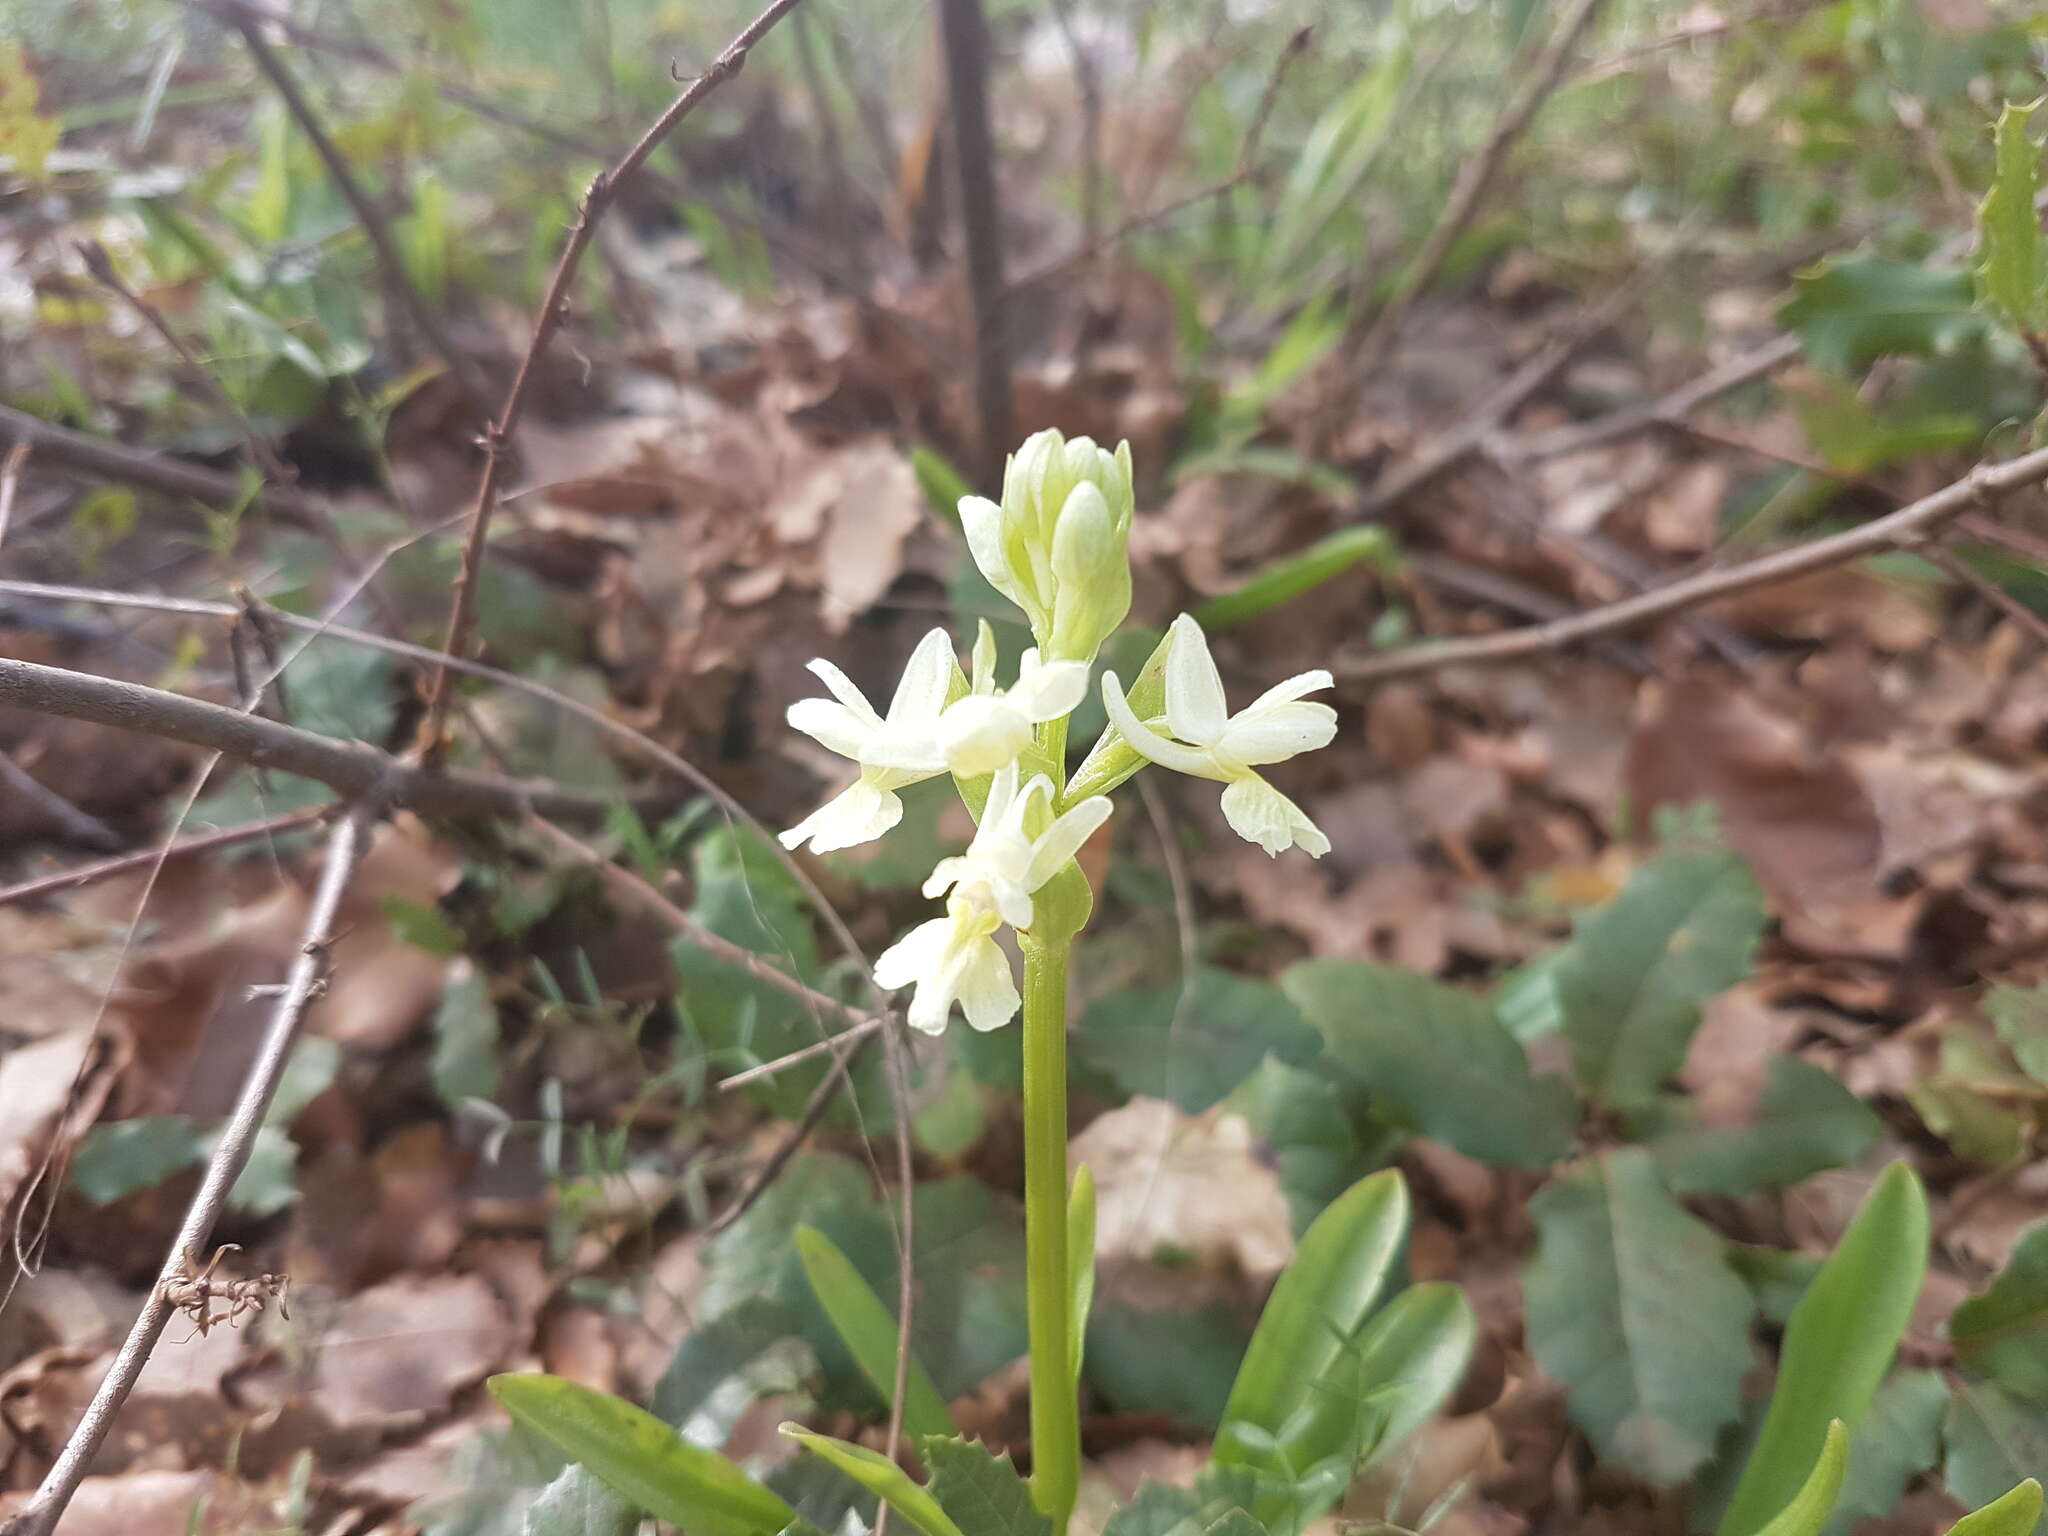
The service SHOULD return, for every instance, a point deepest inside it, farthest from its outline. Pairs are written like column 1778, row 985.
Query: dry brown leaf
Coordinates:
column 173, row 1503
column 394, row 1355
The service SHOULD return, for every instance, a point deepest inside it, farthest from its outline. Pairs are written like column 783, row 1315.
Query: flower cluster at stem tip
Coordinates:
column 1057, row 546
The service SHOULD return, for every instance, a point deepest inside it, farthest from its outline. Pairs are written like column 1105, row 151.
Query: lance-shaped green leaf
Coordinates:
column 1680, row 931
column 881, row 1477
column 1288, row 578
column 1324, row 1295
column 2003, row 1333
column 1838, row 1344
column 1412, row 1356
column 870, row 1333
column 1807, row 1513
column 1080, row 1262
column 2013, row 1513
column 2012, row 267
column 1438, row 1057
column 982, row 1493
column 642, row 1459
column 1633, row 1306
column 1995, row 1442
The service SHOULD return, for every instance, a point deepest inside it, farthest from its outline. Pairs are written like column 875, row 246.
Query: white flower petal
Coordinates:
column 982, row 521
column 832, row 725
column 1276, row 733
column 859, row 814
column 1259, row 813
column 1049, row 691
column 843, row 690
column 987, row 989
column 978, row 734
column 1195, row 711
column 1148, row 743
column 1293, row 688
column 918, row 954
column 927, row 678
column 1013, row 903
column 1001, row 791
column 1063, row 839
column 946, row 874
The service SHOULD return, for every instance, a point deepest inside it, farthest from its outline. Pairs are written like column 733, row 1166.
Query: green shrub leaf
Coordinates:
column 642, row 1459
column 1852, row 310
column 1633, row 1306
column 2012, row 269
column 1995, row 1441
column 1805, row 1121
column 2003, row 1333
column 1194, row 1043
column 1436, row 1056
column 982, row 1493
column 1680, row 931
column 578, row 1504
column 1838, row 1344
column 1898, row 1440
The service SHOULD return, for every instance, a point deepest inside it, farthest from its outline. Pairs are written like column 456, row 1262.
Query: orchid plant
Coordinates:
column 1312, row 1398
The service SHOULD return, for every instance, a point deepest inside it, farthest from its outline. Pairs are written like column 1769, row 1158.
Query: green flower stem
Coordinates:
column 1055, row 1421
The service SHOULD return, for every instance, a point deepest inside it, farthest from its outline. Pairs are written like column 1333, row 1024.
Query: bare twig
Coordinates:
column 10, row 481
column 554, row 308
column 1666, row 410
column 771, row 1169
column 143, row 858
column 101, row 266
column 61, row 447
column 1908, row 528
column 963, row 32
column 1474, row 178
column 76, row 825
column 2027, row 619
column 376, row 227
column 830, row 1045
column 303, row 983
column 350, row 768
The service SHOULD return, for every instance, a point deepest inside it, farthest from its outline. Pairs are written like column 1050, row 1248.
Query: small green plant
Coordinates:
column 1331, row 1376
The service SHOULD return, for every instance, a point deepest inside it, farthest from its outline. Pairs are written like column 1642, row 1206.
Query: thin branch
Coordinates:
column 1474, row 178
column 627, row 736
column 814, row 1111
column 374, row 224
column 554, row 308
column 1666, row 410
column 143, row 858
column 1908, row 528
column 350, row 768
column 2027, row 619
column 101, row 266
column 108, row 460
column 304, row 982
column 76, row 825
column 831, row 1045
column 963, row 33
column 10, row 480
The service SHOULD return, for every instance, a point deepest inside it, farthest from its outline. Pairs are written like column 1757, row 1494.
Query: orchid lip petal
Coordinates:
column 1287, row 692
column 1276, row 733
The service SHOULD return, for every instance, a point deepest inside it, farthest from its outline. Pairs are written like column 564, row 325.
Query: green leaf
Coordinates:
column 465, row 1037
column 1080, row 1261
column 2012, row 268
column 1437, row 1056
column 1322, row 1131
column 2003, row 1332
column 1286, row 579
column 119, row 1157
column 1175, row 1363
column 1852, row 310
column 1632, row 1305
column 1995, row 1442
column 642, row 1459
column 420, row 925
column 1808, row 1511
column 716, row 1352
column 1898, row 1440
column 870, row 1334
column 1158, row 1509
column 2014, row 1513
column 578, row 1504
column 881, row 1477
column 1191, row 1044
column 1855, row 439
column 1321, row 1299
column 1411, row 1358
column 269, row 1180
column 2020, row 1015
column 1838, row 1345
column 981, row 1492
column 1681, row 930
column 942, row 484
column 1805, row 1121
